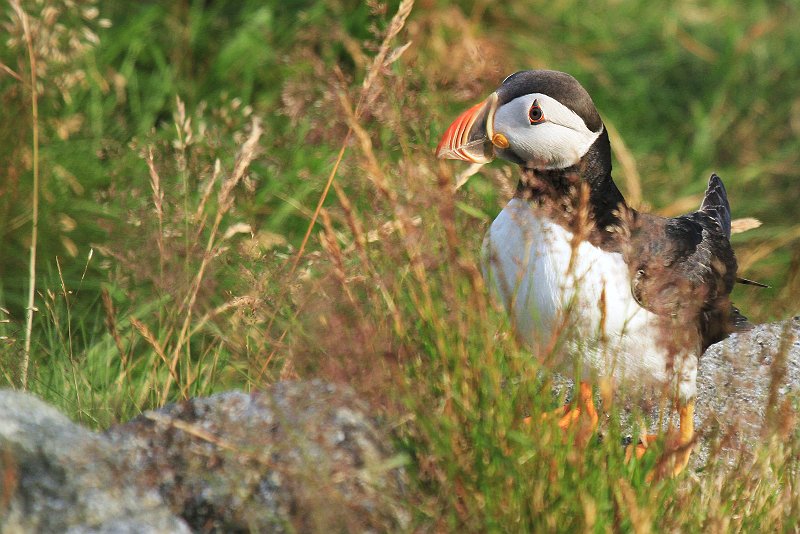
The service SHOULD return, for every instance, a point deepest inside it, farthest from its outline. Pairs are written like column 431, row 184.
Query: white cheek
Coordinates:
column 556, row 145
column 558, row 142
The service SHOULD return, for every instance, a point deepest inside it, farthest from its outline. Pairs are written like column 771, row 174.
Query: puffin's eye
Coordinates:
column 536, row 115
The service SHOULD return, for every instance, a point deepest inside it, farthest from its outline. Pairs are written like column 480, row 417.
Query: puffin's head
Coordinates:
column 537, row 118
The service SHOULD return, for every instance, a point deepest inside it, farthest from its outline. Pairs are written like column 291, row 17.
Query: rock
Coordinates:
column 305, row 456
column 56, row 476
column 747, row 385
column 302, row 456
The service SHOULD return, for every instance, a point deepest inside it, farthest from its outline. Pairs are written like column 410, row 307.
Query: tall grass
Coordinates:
column 34, row 98
column 235, row 194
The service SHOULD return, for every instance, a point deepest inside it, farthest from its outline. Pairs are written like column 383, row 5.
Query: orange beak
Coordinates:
column 471, row 137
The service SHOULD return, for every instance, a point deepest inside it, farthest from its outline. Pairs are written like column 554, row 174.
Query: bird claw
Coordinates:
column 677, row 450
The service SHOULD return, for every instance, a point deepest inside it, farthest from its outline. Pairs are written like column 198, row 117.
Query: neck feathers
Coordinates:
column 559, row 191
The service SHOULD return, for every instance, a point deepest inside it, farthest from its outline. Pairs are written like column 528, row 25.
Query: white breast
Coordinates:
column 551, row 288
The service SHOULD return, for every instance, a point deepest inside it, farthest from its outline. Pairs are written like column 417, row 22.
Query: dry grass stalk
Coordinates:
column 200, row 214
column 204, row 435
column 778, row 371
column 301, row 251
column 43, row 38
column 8, row 70
column 243, row 161
column 382, row 60
column 225, row 203
column 65, row 293
column 360, row 240
column 23, row 18
column 744, row 224
column 148, row 335
column 374, row 173
column 183, row 127
column 630, row 173
column 331, row 246
column 239, row 302
column 404, row 222
column 111, row 324
column 748, row 258
column 158, row 203
column 626, row 500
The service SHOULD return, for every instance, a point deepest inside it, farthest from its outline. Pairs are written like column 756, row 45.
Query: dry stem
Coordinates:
column 35, row 194
column 225, row 200
column 381, row 60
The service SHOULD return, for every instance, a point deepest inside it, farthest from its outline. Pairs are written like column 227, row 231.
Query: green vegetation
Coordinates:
column 184, row 148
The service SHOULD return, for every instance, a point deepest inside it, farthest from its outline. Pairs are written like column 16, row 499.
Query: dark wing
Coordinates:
column 684, row 268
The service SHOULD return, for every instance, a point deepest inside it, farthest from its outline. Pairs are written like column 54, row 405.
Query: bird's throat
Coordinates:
column 583, row 197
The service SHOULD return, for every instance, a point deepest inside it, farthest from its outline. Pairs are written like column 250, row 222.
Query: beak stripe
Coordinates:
column 456, row 143
column 454, row 137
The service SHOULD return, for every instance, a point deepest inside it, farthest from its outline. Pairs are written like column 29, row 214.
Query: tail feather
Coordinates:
column 715, row 203
column 738, row 322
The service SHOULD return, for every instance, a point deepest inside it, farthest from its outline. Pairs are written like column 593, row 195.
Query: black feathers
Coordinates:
column 715, row 203
column 685, row 266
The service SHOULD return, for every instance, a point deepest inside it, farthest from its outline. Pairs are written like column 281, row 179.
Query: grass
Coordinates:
column 189, row 241
column 34, row 99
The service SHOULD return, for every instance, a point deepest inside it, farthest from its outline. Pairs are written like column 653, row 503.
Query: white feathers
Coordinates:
column 558, row 142
column 543, row 281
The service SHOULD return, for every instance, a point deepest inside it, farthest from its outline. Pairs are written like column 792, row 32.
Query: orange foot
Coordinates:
column 580, row 416
column 677, row 450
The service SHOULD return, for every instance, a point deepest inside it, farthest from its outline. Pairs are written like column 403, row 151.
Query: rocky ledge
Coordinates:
column 303, row 456
column 748, row 386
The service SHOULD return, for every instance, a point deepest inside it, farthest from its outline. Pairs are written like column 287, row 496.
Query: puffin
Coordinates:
column 588, row 281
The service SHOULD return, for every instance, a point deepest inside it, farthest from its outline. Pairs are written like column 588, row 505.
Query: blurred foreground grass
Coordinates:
column 185, row 147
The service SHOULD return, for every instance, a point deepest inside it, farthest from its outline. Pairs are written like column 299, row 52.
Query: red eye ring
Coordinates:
column 535, row 114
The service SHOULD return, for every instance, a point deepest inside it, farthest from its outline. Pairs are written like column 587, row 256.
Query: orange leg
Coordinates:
column 580, row 414
column 584, row 407
column 678, row 448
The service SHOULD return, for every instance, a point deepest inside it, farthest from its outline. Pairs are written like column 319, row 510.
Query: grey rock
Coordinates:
column 748, row 387
column 59, row 477
column 303, row 456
